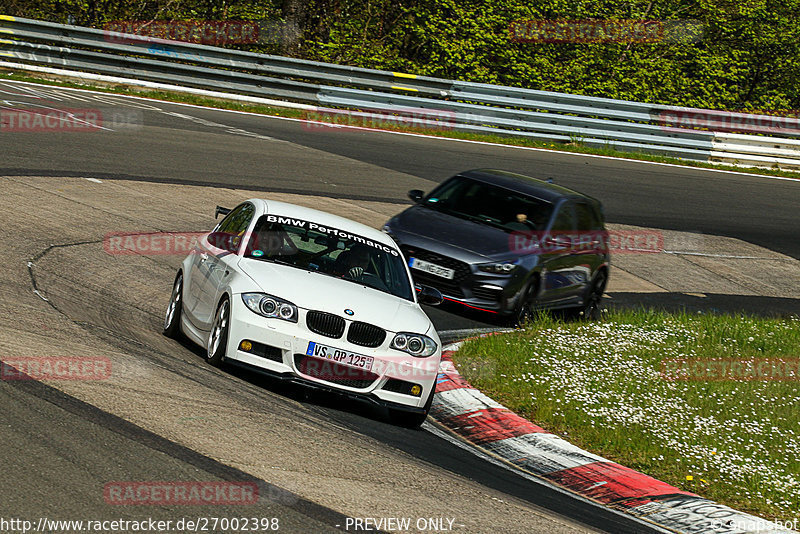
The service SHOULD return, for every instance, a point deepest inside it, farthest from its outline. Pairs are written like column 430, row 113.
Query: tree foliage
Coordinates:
column 746, row 56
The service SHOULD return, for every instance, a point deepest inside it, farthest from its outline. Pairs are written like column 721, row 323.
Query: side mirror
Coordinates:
column 428, row 295
column 416, row 195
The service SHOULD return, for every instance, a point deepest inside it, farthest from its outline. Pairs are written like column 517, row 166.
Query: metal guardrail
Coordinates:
column 158, row 70
column 756, row 151
column 130, row 44
column 543, row 125
column 472, row 107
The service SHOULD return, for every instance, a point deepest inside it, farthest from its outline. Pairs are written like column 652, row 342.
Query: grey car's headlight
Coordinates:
column 270, row 306
column 497, row 268
column 414, row 344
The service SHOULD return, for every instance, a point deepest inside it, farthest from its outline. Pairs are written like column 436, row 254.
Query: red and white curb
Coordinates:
column 496, row 430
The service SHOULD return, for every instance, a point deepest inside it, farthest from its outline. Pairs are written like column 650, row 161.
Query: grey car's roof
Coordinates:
column 524, row 184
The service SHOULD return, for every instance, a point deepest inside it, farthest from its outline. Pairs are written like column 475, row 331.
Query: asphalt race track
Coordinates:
column 212, row 147
column 165, row 414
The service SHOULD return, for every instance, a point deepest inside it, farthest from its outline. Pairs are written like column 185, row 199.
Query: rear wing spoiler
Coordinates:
column 223, row 211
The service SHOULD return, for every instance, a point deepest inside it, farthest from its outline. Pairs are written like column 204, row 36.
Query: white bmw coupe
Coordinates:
column 307, row 296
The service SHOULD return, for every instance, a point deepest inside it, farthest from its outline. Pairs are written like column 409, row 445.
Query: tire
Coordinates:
column 218, row 337
column 172, row 319
column 592, row 307
column 524, row 312
column 412, row 420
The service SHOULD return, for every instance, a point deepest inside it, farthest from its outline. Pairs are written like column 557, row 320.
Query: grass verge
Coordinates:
column 613, row 387
column 573, row 147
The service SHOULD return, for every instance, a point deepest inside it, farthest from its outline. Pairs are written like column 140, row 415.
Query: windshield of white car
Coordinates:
column 501, row 208
column 330, row 251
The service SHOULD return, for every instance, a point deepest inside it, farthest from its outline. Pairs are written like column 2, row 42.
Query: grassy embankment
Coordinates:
column 617, row 388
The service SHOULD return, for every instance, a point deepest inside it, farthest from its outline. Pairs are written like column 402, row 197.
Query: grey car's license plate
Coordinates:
column 432, row 268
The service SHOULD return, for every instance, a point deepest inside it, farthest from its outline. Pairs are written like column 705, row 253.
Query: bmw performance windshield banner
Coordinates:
column 314, row 227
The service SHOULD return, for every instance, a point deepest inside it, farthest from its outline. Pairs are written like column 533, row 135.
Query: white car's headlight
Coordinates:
column 271, row 306
column 414, row 344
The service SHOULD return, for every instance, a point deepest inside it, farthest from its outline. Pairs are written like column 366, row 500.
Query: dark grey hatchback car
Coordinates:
column 507, row 244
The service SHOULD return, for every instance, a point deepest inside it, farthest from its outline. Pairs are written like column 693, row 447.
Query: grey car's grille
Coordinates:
column 325, row 324
column 448, row 287
column 365, row 334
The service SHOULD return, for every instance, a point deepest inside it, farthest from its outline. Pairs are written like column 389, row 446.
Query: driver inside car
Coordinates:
column 351, row 263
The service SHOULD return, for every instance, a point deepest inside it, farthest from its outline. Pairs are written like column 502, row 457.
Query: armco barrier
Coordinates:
column 501, row 433
column 470, row 107
column 756, row 151
column 631, row 136
column 209, row 56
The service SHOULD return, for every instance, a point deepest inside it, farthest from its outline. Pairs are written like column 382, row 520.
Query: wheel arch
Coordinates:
column 226, row 294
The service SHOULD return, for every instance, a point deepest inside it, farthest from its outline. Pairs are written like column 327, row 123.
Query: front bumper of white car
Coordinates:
column 281, row 349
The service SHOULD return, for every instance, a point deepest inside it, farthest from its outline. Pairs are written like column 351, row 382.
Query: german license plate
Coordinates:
column 432, row 268
column 344, row 357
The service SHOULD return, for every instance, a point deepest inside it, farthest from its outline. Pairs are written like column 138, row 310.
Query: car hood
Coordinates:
column 316, row 291
column 474, row 237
